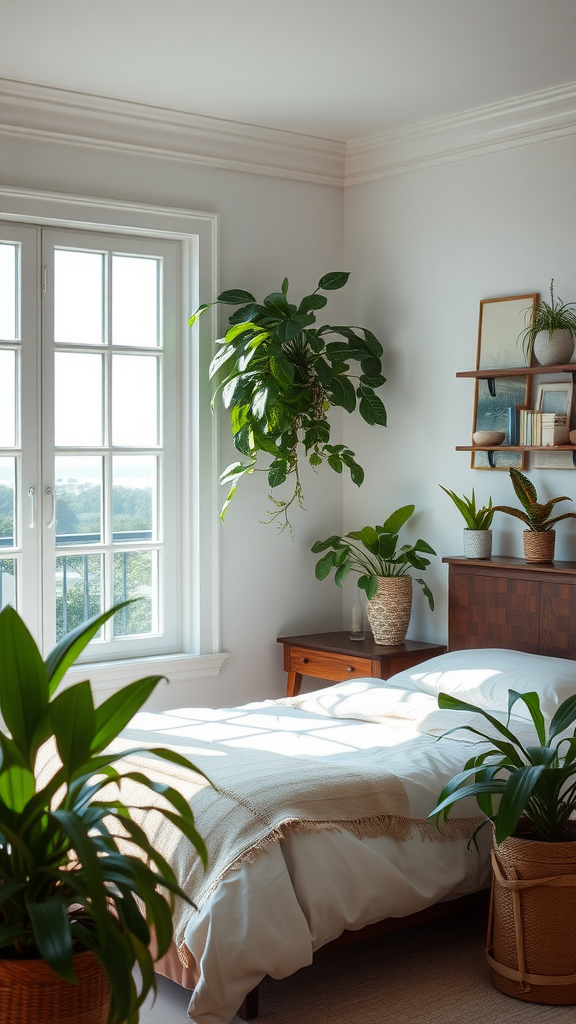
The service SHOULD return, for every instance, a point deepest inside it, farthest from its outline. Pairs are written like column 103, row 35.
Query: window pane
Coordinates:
column 136, row 575
column 134, row 498
column 8, row 291
column 8, row 398
column 7, row 502
column 78, row 591
column 78, row 297
column 135, row 301
column 78, row 500
column 78, row 400
column 134, row 401
column 7, row 582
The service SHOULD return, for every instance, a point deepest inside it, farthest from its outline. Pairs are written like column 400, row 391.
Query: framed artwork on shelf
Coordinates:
column 557, row 398
column 501, row 322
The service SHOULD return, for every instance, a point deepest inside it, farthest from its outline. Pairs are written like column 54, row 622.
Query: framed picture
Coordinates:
column 556, row 398
column 500, row 324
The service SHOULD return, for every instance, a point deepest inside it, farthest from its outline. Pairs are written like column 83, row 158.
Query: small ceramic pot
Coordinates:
column 477, row 543
column 553, row 347
column 539, row 547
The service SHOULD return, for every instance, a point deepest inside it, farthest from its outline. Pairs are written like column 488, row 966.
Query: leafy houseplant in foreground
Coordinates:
column 539, row 537
column 529, row 794
column 383, row 570
column 477, row 534
column 279, row 377
column 550, row 332
column 66, row 883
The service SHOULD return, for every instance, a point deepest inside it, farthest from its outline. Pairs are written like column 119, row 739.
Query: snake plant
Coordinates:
column 475, row 518
column 536, row 517
column 67, row 882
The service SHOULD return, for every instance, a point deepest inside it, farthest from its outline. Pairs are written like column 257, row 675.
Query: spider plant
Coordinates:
column 380, row 557
column 67, row 882
column 475, row 518
column 536, row 517
column 280, row 377
column 534, row 786
column 547, row 316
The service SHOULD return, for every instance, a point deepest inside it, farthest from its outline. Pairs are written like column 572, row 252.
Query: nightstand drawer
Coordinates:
column 334, row 667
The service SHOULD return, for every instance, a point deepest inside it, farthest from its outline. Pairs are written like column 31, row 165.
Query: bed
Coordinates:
column 317, row 858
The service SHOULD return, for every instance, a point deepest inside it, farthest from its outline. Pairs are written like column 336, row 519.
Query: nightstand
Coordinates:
column 334, row 656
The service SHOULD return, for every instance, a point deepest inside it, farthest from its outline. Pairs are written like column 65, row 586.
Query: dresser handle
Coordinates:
column 305, row 661
column 350, row 668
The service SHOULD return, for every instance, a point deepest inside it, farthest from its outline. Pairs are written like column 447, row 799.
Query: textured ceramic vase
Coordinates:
column 553, row 347
column 477, row 543
column 539, row 547
column 389, row 610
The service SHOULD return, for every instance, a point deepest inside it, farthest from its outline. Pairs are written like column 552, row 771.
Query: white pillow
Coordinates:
column 484, row 676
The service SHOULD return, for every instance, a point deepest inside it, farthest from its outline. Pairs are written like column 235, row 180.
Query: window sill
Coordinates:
column 112, row 675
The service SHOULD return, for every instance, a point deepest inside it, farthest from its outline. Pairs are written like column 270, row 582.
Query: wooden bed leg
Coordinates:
column 250, row 1006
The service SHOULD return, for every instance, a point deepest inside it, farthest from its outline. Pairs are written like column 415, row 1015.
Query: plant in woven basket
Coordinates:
column 67, row 883
column 538, row 518
column 547, row 316
column 534, row 786
column 379, row 555
column 475, row 518
column 280, row 375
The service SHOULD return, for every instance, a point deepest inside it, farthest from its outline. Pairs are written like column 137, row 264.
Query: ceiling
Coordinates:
column 337, row 69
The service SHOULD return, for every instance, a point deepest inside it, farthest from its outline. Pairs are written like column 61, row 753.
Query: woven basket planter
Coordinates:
column 531, row 945
column 539, row 547
column 30, row 993
column 389, row 610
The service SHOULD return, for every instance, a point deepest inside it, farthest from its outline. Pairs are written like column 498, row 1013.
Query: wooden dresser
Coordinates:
column 506, row 602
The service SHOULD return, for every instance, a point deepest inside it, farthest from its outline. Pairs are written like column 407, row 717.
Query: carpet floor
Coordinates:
column 434, row 974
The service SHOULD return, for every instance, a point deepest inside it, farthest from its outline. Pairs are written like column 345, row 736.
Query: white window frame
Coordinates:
column 197, row 233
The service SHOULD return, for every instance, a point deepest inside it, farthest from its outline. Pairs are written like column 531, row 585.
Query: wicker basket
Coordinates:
column 30, row 993
column 539, row 547
column 531, row 945
column 389, row 610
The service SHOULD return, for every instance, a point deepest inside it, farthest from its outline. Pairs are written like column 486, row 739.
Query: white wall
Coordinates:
column 269, row 228
column 424, row 248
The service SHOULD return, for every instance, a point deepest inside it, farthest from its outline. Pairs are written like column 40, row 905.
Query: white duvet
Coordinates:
column 270, row 915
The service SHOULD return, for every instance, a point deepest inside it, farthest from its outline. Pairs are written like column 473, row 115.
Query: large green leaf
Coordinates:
column 331, row 282
column 532, row 702
column 514, row 798
column 564, row 717
column 17, row 787
column 525, row 490
column 371, row 407
column 74, row 724
column 396, row 521
column 342, row 393
column 71, row 646
column 114, row 714
column 52, row 934
column 23, row 683
column 368, row 536
column 234, row 296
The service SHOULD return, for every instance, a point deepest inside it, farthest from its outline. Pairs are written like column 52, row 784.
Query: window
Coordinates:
column 101, row 452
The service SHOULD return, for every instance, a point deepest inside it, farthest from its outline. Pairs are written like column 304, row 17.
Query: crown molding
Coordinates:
column 527, row 120
column 61, row 115
column 41, row 112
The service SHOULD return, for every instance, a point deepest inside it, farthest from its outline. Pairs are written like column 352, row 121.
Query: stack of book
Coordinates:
column 539, row 429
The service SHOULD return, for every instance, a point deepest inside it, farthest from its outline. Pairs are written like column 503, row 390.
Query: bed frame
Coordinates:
column 501, row 602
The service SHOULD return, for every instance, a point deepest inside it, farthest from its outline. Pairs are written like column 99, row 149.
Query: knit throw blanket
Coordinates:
column 258, row 790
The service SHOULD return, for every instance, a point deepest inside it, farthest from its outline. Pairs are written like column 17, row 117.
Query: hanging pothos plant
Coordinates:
column 279, row 376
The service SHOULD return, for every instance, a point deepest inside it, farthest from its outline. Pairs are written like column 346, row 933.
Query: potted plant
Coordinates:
column 77, row 907
column 477, row 533
column 550, row 332
column 540, row 537
column 281, row 375
column 383, row 570
column 528, row 793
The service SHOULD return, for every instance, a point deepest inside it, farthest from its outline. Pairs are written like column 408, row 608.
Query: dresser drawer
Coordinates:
column 335, row 667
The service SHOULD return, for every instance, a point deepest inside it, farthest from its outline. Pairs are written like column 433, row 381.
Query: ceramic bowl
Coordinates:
column 488, row 437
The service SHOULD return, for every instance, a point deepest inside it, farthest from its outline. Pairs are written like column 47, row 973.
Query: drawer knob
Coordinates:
column 350, row 668
column 305, row 661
